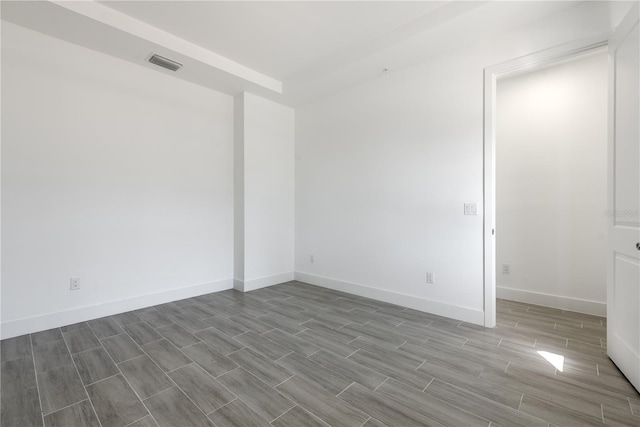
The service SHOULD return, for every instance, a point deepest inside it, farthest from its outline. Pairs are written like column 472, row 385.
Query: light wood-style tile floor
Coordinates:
column 300, row 355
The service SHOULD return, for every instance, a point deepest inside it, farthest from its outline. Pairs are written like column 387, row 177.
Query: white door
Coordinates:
column 623, row 269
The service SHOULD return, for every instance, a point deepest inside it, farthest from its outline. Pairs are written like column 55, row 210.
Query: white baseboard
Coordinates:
column 411, row 301
column 26, row 325
column 238, row 285
column 556, row 301
column 262, row 282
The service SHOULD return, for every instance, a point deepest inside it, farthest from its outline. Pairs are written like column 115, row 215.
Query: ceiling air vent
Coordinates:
column 164, row 62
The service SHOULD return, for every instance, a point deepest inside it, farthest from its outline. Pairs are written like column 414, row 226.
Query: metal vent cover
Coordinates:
column 163, row 62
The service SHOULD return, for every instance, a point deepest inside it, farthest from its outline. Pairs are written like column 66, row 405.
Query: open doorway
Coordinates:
column 622, row 340
column 512, row 68
column 551, row 184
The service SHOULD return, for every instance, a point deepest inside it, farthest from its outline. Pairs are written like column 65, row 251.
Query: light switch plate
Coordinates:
column 471, row 209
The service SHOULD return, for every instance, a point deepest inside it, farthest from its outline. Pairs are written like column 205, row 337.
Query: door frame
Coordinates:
column 491, row 75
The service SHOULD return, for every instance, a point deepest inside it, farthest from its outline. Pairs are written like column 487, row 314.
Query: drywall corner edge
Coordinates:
column 238, row 285
column 16, row 327
column 263, row 282
column 411, row 301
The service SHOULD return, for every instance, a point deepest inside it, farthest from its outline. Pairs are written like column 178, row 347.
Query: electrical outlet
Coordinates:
column 312, row 259
column 429, row 278
column 506, row 269
column 471, row 209
column 75, row 283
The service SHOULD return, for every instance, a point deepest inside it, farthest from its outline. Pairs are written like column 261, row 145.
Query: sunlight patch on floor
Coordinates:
column 557, row 360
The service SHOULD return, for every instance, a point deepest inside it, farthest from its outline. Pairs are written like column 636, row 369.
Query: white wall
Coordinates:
column 111, row 172
column 383, row 171
column 551, row 156
column 267, row 193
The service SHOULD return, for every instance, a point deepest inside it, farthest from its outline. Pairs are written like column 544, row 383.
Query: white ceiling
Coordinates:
column 291, row 51
column 275, row 38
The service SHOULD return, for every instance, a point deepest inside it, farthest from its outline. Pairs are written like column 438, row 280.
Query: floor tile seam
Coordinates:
column 223, row 374
column 209, row 375
column 365, row 421
column 631, row 407
column 134, row 357
column 265, row 332
column 351, row 342
column 363, row 366
column 478, row 396
column 459, row 408
column 520, row 404
column 344, row 402
column 378, row 386
column 142, row 401
column 170, row 379
column 345, row 389
column 235, row 351
column 126, row 380
column 221, row 331
column 92, row 348
column 21, row 357
column 428, row 384
column 349, row 356
column 148, row 342
column 162, row 391
column 56, row 366
column 94, row 332
column 33, row 360
column 302, row 331
column 80, row 378
column 568, row 411
column 46, row 342
column 481, row 371
column 69, row 406
column 420, row 366
column 222, row 406
column 286, row 412
column 189, row 345
column 180, row 367
column 135, row 421
column 279, row 358
column 381, row 395
column 317, row 351
column 102, row 379
column 405, row 342
column 125, row 360
column 274, row 389
column 574, row 381
column 583, row 342
column 282, row 382
column 516, row 389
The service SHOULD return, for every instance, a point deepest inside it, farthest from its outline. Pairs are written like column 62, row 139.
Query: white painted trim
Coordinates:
column 556, row 301
column 263, row 282
column 238, row 285
column 411, row 301
column 491, row 75
column 26, row 325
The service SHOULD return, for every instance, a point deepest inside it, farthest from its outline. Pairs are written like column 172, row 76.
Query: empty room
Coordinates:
column 319, row 213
